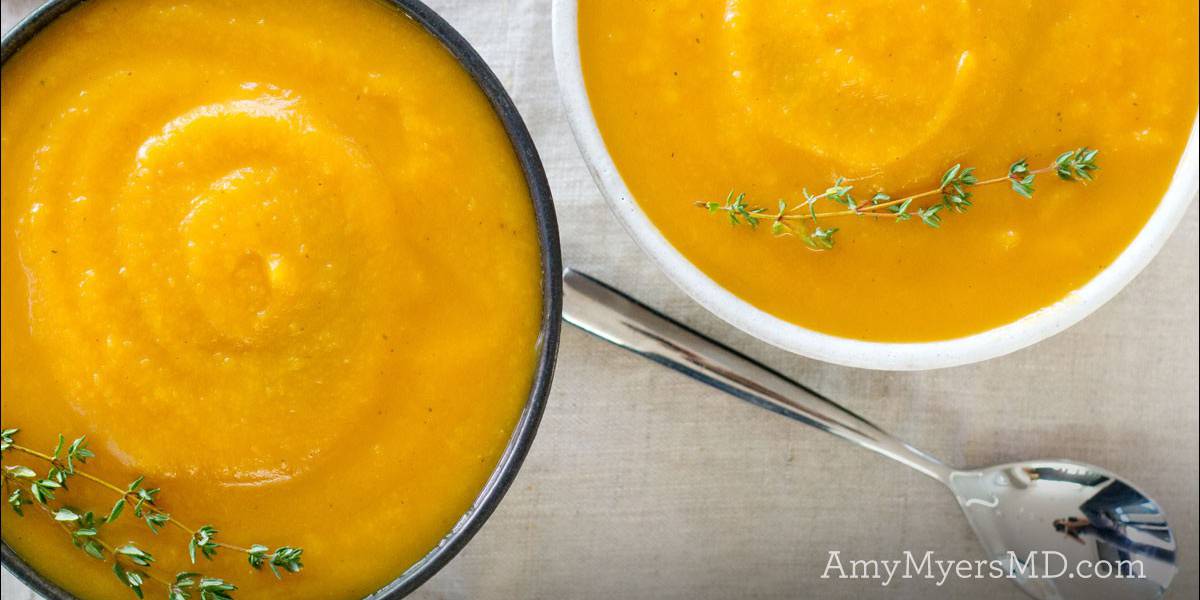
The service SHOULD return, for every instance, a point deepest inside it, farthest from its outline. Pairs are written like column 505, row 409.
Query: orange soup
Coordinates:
column 277, row 256
column 773, row 97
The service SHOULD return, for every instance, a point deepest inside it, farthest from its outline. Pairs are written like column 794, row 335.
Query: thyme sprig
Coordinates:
column 23, row 487
column 803, row 221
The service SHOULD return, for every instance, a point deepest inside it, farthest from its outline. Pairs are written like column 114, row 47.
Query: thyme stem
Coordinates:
column 791, row 220
column 123, row 566
column 874, row 207
column 128, row 495
column 131, row 564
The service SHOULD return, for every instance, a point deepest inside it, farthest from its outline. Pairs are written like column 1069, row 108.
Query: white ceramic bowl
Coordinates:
column 844, row 351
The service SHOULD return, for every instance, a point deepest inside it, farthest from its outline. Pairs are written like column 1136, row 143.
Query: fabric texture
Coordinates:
column 644, row 484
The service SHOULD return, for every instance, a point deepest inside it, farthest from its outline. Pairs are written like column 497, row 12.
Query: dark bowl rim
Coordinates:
column 551, row 286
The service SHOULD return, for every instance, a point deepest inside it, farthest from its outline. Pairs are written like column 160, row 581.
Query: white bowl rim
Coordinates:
column 992, row 343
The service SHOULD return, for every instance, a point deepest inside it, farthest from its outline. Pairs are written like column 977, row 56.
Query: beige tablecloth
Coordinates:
column 643, row 484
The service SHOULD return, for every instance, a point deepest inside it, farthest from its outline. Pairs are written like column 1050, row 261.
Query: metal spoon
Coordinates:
column 1059, row 529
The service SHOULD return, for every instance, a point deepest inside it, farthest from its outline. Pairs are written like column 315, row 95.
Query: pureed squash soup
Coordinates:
column 770, row 97
column 279, row 257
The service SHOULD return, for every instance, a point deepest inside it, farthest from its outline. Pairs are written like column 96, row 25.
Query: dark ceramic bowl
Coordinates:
column 543, row 206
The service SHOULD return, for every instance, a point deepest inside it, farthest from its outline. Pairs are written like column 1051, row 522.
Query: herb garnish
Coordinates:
column 802, row 219
column 131, row 565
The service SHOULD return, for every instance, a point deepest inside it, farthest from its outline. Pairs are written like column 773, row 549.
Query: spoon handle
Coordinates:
column 596, row 308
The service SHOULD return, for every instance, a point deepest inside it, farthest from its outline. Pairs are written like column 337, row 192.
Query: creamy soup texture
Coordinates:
column 279, row 257
column 769, row 97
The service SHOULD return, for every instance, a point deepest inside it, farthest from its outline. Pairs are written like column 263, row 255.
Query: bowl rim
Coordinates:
column 550, row 254
column 891, row 356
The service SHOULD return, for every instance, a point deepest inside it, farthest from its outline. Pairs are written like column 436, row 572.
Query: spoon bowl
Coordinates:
column 1063, row 529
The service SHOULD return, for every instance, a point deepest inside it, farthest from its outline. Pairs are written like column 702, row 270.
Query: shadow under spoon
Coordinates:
column 1059, row 529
